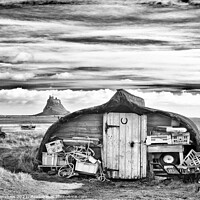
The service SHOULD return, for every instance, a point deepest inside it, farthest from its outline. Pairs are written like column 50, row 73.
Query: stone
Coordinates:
column 54, row 107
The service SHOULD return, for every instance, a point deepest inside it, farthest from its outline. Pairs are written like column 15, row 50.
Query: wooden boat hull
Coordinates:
column 28, row 127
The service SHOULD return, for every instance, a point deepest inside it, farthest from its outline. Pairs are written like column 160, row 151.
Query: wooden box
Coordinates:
column 158, row 139
column 54, row 146
column 192, row 159
column 86, row 168
column 61, row 161
column 49, row 159
column 180, row 138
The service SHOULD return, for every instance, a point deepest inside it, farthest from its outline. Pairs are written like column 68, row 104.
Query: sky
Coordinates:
column 83, row 51
column 23, row 101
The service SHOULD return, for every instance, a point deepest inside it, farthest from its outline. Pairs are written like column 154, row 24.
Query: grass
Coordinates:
column 22, row 139
column 18, row 178
column 20, row 159
column 19, row 150
column 23, row 186
column 15, row 183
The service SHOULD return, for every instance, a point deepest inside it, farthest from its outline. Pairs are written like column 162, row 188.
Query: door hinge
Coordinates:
column 111, row 170
column 107, row 126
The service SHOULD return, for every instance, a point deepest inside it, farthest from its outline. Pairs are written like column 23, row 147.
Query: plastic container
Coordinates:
column 180, row 138
column 54, row 146
column 158, row 139
column 192, row 159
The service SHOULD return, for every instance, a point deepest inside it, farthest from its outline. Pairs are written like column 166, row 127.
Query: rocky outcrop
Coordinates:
column 54, row 107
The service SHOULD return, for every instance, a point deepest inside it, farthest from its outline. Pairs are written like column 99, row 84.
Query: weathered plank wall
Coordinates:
column 90, row 125
column 154, row 120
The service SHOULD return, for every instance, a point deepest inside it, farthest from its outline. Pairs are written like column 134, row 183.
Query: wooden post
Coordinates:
column 181, row 157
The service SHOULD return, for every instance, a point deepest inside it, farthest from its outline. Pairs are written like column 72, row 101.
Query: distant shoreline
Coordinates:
column 20, row 119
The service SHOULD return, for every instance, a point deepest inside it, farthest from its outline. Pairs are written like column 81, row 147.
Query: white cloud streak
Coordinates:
column 64, row 75
column 16, row 76
column 21, row 101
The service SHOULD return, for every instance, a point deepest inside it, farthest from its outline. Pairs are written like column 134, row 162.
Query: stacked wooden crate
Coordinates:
column 168, row 135
column 59, row 152
column 51, row 158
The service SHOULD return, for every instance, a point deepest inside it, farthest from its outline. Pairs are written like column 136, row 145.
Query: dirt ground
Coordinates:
column 91, row 188
column 40, row 185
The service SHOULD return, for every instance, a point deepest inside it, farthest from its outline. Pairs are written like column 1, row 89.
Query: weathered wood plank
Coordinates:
column 77, row 143
column 76, row 134
column 83, row 123
column 104, row 148
column 122, row 152
column 139, row 146
column 158, row 120
column 115, row 145
column 128, row 139
column 136, row 147
column 143, row 146
column 88, row 117
column 81, row 128
column 165, row 148
column 109, row 145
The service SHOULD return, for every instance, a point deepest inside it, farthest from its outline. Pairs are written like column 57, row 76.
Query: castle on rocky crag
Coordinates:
column 54, row 107
column 53, row 100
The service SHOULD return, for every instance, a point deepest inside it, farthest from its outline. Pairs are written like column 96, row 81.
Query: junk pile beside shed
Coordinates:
column 121, row 139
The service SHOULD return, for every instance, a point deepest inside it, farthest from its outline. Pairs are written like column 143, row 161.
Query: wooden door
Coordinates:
column 124, row 148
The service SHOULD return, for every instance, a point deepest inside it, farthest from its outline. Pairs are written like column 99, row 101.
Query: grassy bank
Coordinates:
column 17, row 168
column 16, row 183
column 23, row 186
column 19, row 149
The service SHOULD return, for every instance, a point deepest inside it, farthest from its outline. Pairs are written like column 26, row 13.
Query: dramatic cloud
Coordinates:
column 64, row 75
column 22, row 57
column 16, row 76
column 104, row 44
column 183, row 103
column 21, row 101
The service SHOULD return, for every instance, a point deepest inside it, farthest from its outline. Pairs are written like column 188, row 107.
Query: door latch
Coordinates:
column 132, row 144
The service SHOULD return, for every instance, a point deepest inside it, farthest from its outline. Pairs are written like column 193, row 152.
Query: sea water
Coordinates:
column 16, row 128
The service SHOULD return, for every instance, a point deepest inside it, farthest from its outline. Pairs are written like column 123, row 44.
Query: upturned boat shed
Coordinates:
column 129, row 135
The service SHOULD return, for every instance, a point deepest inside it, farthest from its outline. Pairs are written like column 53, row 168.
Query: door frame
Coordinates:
column 116, row 157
